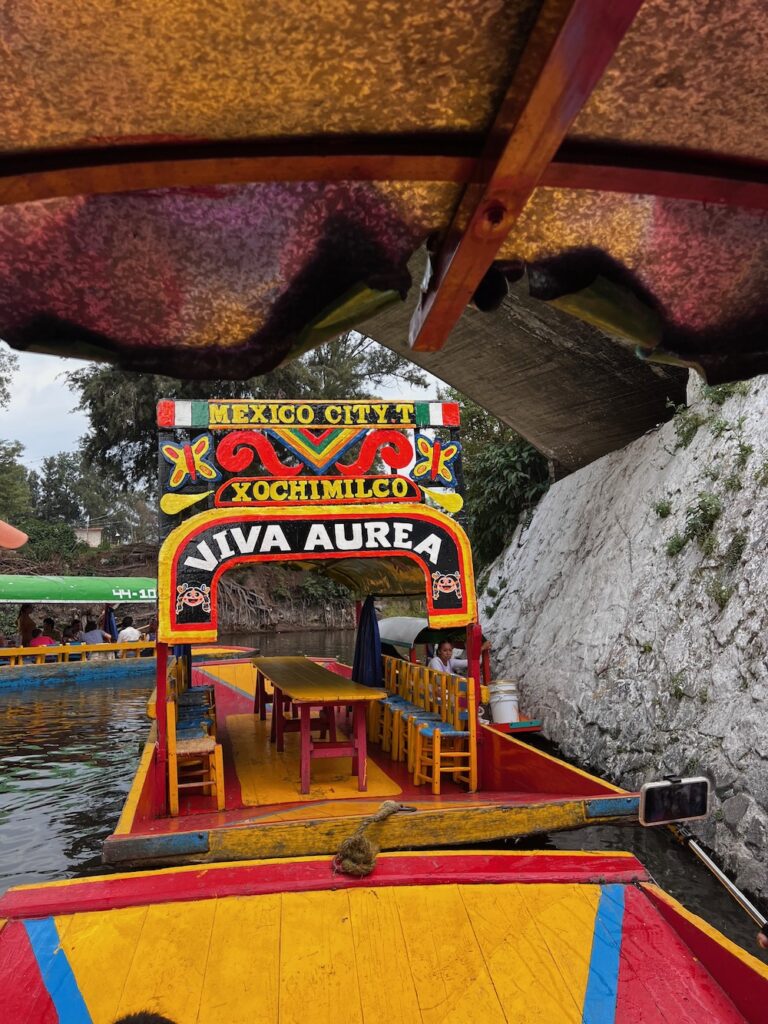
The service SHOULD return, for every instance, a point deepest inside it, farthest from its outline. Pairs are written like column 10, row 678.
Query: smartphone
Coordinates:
column 674, row 800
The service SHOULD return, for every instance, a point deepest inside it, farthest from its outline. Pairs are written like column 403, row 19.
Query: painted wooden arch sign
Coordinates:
column 196, row 554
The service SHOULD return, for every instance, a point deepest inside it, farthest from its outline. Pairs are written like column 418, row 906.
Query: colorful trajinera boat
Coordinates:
column 545, row 938
column 73, row 661
column 233, row 767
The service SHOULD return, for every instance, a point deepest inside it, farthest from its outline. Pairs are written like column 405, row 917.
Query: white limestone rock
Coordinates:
column 641, row 662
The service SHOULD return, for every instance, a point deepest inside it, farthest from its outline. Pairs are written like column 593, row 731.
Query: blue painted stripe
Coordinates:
column 56, row 972
column 603, row 977
column 612, row 807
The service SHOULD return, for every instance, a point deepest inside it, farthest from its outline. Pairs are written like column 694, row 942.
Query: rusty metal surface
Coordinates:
column 99, row 71
column 688, row 75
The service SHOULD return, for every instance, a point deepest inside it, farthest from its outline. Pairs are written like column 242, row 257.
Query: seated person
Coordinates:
column 128, row 634
column 444, row 660
column 49, row 629
column 93, row 635
column 70, row 638
column 40, row 639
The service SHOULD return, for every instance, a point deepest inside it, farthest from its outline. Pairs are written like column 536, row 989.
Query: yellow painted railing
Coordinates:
column 70, row 652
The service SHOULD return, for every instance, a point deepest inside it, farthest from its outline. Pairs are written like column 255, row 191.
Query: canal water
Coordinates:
column 68, row 753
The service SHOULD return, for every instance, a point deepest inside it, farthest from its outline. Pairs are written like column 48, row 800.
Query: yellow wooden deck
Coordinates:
column 267, row 778
column 451, row 953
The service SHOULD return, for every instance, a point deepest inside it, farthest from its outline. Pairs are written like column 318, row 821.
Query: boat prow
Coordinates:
column 433, row 937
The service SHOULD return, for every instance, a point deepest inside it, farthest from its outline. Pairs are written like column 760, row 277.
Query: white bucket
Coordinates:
column 504, row 701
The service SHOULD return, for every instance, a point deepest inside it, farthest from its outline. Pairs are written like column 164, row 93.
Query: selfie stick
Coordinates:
column 686, row 836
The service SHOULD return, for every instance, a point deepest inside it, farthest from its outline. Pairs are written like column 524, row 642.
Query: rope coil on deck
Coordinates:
column 357, row 854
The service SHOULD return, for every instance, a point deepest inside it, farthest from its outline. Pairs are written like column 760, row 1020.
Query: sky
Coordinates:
column 42, row 414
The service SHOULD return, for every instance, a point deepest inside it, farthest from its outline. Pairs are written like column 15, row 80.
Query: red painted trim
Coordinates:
column 162, row 727
column 566, row 54
column 747, row 989
column 474, row 643
column 23, row 995
column 656, row 971
column 301, row 876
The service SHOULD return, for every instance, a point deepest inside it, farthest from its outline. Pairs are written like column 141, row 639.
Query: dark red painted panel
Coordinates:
column 507, row 765
column 26, row 1000
column 659, row 978
column 747, row 989
column 297, row 876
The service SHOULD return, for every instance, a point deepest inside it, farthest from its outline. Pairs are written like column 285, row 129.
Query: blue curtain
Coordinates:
column 110, row 623
column 366, row 667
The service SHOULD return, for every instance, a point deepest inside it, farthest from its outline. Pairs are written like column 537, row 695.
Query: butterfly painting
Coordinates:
column 190, row 462
column 434, row 461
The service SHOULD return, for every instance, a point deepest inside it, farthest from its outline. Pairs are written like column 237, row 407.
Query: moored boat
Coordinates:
column 218, row 779
column 73, row 661
column 431, row 937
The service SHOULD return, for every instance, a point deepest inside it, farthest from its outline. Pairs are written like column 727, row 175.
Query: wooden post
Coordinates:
column 161, row 757
column 358, row 611
column 474, row 656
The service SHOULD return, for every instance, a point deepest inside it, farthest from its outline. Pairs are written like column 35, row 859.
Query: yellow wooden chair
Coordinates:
column 376, row 707
column 409, row 677
column 432, row 697
column 194, row 762
column 422, row 703
column 449, row 745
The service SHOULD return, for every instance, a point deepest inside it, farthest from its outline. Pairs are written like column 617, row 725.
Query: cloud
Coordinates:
column 40, row 414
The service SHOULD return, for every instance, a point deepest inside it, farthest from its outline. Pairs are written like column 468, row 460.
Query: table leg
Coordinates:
column 273, row 723
column 306, row 746
column 360, row 760
column 261, row 690
column 277, row 717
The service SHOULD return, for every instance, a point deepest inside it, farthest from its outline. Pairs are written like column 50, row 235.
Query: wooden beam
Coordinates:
column 570, row 47
column 609, row 168
column 52, row 174
column 667, row 175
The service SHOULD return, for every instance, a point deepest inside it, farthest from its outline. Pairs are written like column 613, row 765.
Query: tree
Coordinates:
column 54, row 488
column 122, row 436
column 15, row 499
column 504, row 477
column 9, row 364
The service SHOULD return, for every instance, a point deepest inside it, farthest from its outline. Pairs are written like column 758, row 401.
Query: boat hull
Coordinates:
column 432, row 937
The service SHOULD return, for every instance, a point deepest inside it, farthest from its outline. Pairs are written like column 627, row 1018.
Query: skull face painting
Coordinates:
column 446, row 583
column 191, row 596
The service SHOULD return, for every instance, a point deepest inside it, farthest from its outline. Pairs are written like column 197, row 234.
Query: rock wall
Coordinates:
column 633, row 610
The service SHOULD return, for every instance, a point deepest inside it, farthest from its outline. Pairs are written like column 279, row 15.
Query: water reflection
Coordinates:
column 67, row 756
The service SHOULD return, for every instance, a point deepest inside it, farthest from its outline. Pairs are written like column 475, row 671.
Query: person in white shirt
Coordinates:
column 128, row 633
column 444, row 660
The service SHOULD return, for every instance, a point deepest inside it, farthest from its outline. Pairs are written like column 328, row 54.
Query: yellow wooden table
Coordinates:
column 303, row 682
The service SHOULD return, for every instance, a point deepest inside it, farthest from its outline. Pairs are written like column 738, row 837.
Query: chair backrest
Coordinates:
column 458, row 707
column 390, row 673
